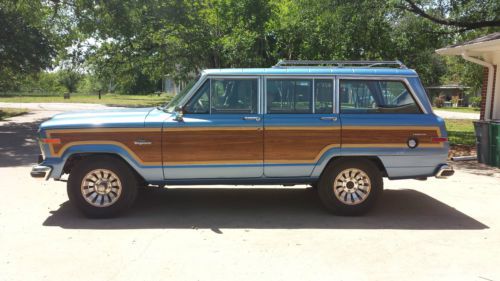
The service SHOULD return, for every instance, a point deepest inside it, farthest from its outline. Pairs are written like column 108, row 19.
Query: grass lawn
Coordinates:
column 107, row 99
column 459, row 109
column 11, row 112
column 460, row 131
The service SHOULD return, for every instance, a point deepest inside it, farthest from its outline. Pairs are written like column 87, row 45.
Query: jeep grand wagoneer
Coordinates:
column 337, row 126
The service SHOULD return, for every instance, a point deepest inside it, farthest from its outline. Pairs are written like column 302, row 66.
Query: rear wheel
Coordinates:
column 102, row 186
column 350, row 187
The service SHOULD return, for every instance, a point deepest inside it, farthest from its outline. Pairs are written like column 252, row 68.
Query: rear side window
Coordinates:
column 376, row 96
column 289, row 96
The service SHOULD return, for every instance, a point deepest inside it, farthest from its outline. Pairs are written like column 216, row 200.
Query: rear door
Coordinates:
column 299, row 125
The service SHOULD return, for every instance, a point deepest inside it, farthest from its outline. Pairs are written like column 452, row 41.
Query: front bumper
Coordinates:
column 41, row 172
column 444, row 171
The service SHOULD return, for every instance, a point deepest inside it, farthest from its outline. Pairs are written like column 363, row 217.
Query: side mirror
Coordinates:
column 179, row 113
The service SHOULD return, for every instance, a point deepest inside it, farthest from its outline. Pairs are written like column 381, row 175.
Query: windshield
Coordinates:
column 169, row 107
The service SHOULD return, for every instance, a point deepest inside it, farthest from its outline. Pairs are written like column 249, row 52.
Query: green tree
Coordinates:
column 26, row 44
column 69, row 79
column 131, row 45
column 464, row 14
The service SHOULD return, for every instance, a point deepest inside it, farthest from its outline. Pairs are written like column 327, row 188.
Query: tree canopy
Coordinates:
column 129, row 46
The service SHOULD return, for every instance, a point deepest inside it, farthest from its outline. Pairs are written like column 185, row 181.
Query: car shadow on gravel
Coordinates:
column 259, row 208
column 18, row 144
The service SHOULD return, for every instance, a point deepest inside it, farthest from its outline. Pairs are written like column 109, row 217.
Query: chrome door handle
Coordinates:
column 254, row 118
column 142, row 142
column 329, row 118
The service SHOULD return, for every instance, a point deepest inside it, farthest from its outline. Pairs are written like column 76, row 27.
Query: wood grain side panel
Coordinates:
column 353, row 136
column 298, row 145
column 213, row 146
column 145, row 153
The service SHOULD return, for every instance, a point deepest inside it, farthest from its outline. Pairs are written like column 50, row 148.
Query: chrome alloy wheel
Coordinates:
column 101, row 188
column 352, row 186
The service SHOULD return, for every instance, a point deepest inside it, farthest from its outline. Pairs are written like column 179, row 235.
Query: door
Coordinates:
column 220, row 135
column 300, row 125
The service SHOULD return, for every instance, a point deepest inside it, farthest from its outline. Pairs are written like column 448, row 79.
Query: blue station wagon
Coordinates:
column 339, row 126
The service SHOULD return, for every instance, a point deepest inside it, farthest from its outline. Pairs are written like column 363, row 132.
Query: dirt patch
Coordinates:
column 472, row 167
column 462, row 150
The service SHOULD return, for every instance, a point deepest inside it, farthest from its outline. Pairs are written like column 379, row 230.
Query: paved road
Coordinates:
column 55, row 106
column 432, row 230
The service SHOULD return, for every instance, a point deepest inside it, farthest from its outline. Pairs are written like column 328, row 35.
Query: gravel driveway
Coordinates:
column 421, row 230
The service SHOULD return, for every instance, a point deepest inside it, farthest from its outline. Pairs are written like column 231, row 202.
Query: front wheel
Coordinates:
column 350, row 187
column 102, row 187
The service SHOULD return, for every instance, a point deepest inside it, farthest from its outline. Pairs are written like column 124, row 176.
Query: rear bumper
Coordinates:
column 444, row 171
column 41, row 172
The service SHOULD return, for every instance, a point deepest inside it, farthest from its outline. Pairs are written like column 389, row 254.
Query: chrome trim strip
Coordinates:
column 336, row 96
column 313, row 97
column 142, row 142
column 319, row 74
column 210, row 97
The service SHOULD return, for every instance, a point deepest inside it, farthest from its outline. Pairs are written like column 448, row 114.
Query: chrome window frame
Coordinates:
column 202, row 80
column 296, row 77
column 404, row 80
column 193, row 90
column 334, row 100
column 262, row 80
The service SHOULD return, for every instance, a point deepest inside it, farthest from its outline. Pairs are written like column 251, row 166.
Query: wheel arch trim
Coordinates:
column 59, row 163
column 336, row 154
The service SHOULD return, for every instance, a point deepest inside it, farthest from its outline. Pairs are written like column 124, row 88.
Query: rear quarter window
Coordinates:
column 376, row 97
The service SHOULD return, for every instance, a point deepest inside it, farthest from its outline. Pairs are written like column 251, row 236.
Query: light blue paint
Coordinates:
column 119, row 118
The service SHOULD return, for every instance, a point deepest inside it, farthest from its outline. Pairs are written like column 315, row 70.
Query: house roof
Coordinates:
column 485, row 44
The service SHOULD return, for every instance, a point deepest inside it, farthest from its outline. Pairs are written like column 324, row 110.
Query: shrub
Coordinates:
column 438, row 102
column 475, row 101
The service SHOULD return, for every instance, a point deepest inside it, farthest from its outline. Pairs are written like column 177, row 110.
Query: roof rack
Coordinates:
column 336, row 63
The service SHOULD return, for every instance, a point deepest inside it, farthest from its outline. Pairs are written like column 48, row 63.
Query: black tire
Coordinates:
column 366, row 199
column 126, row 176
